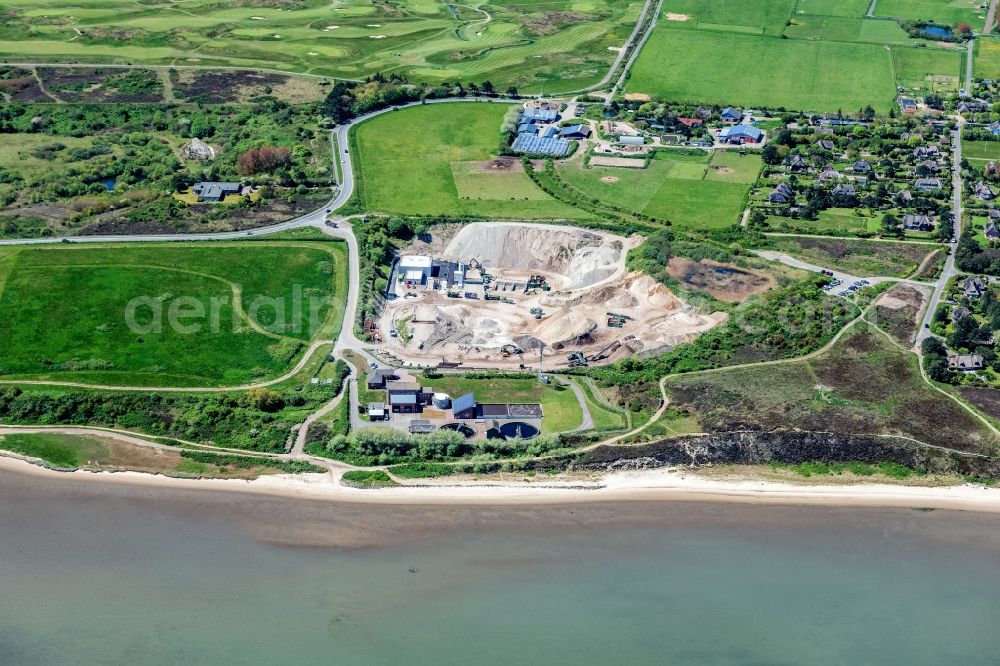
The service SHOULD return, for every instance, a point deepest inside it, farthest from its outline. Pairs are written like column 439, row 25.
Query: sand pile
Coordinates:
column 582, row 258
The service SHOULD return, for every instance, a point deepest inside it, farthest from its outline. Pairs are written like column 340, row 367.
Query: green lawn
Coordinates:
column 605, row 418
column 560, row 407
column 229, row 313
column 767, row 16
column 688, row 191
column 933, row 69
column 947, row 12
column 761, row 70
column 562, row 44
column 421, row 161
column 981, row 150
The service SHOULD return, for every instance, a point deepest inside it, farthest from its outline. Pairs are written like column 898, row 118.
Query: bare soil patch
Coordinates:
column 722, row 169
column 898, row 311
column 637, row 97
column 677, row 17
column 609, row 179
column 506, row 164
column 241, row 86
column 624, row 162
column 551, row 22
column 722, row 281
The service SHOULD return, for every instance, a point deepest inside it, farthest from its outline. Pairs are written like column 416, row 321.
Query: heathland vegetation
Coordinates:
column 166, row 315
column 113, row 167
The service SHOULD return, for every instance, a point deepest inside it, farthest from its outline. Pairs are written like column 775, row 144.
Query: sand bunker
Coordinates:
column 677, row 17
column 593, row 306
column 571, row 258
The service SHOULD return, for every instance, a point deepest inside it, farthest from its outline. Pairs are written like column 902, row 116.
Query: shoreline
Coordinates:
column 644, row 486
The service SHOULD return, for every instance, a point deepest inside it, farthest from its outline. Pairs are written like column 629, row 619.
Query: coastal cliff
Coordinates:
column 787, row 447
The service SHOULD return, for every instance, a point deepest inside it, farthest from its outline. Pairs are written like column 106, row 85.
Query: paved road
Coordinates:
column 991, row 15
column 635, row 51
column 949, row 270
column 969, row 60
column 588, row 419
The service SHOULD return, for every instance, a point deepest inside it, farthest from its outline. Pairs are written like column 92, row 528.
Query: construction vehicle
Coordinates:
column 491, row 297
column 577, row 360
column 604, row 353
column 510, row 350
column 538, row 312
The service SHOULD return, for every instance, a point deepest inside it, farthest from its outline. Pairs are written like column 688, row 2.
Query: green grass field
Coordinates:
column 562, row 44
column 928, row 69
column 700, row 191
column 422, row 161
column 981, row 150
column 843, row 29
column 987, row 56
column 560, row 408
column 228, row 314
column 749, row 70
column 755, row 16
column 947, row 12
column 847, row 8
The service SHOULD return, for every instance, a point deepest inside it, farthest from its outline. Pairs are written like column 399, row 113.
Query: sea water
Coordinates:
column 91, row 574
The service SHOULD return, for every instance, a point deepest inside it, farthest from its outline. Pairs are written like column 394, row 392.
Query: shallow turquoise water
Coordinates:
column 106, row 577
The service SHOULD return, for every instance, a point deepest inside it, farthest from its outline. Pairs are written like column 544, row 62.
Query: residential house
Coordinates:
column 992, row 231
column 740, row 134
column 844, row 190
column 973, row 287
column 907, row 105
column 783, row 193
column 983, row 192
column 995, row 213
column 965, row 362
column 928, row 166
column 796, row 164
column 378, row 377
column 903, row 198
column 861, row 166
column 214, row 192
column 961, row 312
column 691, row 122
column 533, row 115
column 995, row 129
column 973, row 106
column 702, row 112
column 914, row 222
column 826, row 144
column 732, row 115
column 925, row 152
column 928, row 184
column 828, row 174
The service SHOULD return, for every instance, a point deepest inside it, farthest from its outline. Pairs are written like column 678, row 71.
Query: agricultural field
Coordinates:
column 437, row 159
column 863, row 258
column 562, row 45
column 114, row 167
column 987, row 54
column 169, row 315
column 928, row 69
column 846, row 8
column 753, row 70
column 946, row 12
column 864, row 384
column 701, row 190
column 560, row 407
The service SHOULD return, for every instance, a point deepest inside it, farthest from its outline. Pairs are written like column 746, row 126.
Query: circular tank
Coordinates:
column 459, row 427
column 441, row 400
column 518, row 429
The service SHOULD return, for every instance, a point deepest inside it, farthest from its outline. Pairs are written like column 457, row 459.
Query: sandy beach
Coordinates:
column 641, row 486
